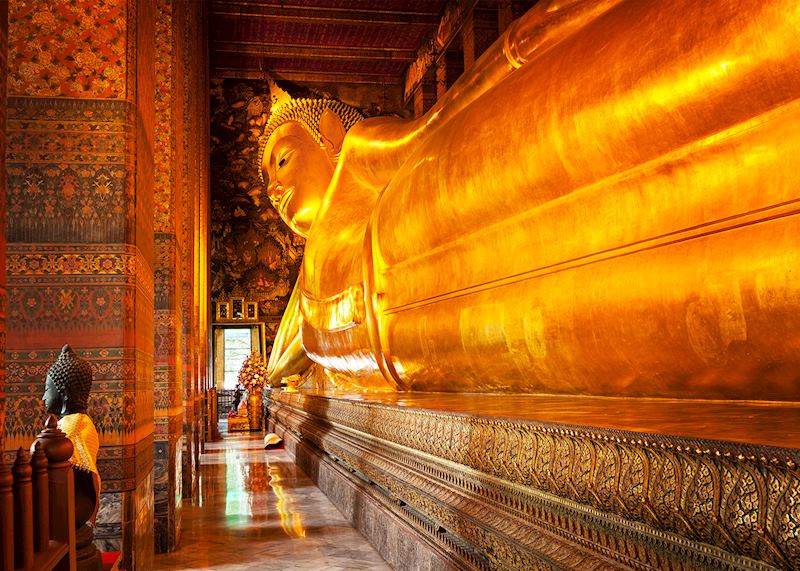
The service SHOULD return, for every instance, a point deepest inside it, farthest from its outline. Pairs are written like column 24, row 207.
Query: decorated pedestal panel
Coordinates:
column 525, row 494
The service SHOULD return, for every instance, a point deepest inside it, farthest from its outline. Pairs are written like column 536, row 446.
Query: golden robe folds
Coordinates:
column 606, row 203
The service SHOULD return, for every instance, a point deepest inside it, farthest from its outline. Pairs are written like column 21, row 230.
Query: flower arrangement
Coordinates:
column 253, row 374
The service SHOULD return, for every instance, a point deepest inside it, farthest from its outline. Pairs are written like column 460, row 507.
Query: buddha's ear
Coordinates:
column 332, row 131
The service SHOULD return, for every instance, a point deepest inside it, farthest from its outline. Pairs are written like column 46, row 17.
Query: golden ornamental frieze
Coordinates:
column 736, row 497
column 408, row 488
column 530, row 536
column 461, row 556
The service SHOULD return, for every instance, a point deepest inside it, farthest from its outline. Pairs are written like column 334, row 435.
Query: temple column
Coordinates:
column 81, row 89
column 468, row 39
column 169, row 215
column 194, row 232
column 505, row 15
column 482, row 26
column 425, row 95
column 449, row 67
column 3, row 297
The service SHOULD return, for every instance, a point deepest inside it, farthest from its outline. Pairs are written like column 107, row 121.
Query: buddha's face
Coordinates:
column 53, row 400
column 299, row 170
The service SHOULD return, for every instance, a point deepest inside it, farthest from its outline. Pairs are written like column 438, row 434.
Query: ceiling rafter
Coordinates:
column 334, row 41
column 309, row 76
column 267, row 49
column 300, row 14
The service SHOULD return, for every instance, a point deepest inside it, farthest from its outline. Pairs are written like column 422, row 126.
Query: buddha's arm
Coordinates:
column 292, row 361
column 288, row 357
column 376, row 153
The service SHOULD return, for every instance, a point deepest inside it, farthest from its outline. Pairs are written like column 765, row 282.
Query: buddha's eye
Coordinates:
column 281, row 162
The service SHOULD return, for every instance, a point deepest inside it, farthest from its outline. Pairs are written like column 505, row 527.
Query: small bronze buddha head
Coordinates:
column 67, row 385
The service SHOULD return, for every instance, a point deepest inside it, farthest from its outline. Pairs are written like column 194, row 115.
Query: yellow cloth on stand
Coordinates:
column 80, row 429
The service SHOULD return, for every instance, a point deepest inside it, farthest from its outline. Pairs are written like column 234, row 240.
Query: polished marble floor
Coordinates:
column 257, row 510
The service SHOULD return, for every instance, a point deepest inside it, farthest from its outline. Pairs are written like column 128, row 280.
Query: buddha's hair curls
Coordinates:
column 308, row 113
column 72, row 378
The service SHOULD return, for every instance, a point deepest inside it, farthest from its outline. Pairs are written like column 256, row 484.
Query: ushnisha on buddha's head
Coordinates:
column 67, row 385
column 298, row 154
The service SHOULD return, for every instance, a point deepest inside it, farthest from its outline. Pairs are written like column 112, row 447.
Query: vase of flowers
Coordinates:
column 253, row 377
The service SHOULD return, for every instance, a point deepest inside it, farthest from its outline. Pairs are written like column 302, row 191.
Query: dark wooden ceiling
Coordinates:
column 327, row 41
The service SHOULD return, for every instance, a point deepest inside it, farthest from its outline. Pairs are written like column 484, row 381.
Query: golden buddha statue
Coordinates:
column 605, row 203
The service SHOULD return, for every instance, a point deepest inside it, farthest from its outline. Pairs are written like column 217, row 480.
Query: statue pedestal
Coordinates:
column 512, row 481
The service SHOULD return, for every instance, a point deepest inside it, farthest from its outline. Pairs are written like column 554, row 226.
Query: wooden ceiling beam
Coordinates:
column 317, row 15
column 265, row 49
column 307, row 76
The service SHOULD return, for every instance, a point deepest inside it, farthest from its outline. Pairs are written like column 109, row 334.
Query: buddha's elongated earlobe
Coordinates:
column 332, row 132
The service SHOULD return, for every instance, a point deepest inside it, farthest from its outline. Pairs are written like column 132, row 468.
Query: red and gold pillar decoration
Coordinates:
column 81, row 87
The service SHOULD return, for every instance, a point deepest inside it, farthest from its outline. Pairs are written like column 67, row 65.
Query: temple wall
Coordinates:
column 100, row 218
column 252, row 250
column 80, row 234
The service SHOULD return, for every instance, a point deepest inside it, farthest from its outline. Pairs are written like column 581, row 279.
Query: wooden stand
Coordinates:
column 37, row 506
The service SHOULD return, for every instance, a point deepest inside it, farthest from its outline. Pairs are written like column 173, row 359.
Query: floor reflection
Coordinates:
column 257, row 510
column 290, row 519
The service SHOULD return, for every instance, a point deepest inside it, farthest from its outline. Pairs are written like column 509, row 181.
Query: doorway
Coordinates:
column 232, row 345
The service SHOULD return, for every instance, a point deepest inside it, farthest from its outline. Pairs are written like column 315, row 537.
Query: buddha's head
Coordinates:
column 67, row 385
column 298, row 154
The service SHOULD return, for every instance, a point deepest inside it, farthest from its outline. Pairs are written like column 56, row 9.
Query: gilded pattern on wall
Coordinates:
column 165, row 109
column 109, row 404
column 69, row 171
column 80, row 272
column 738, row 498
column 3, row 84
column 251, row 247
column 167, row 393
column 50, row 295
column 166, row 271
column 55, row 297
column 81, row 161
column 72, row 48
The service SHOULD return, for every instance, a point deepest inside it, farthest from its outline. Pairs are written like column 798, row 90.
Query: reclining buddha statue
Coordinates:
column 606, row 203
